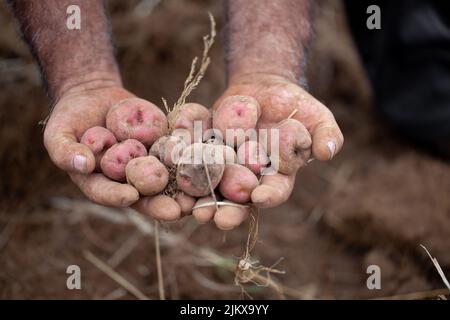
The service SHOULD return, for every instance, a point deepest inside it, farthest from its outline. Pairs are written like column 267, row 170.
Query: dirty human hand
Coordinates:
column 83, row 82
column 265, row 57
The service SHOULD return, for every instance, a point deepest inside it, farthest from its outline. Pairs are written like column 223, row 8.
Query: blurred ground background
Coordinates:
column 374, row 204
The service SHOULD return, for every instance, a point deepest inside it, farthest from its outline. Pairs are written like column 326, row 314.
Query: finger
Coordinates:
column 254, row 156
column 288, row 99
column 289, row 147
column 204, row 214
column 65, row 151
column 160, row 207
column 101, row 190
column 236, row 112
column 189, row 116
column 229, row 217
column 273, row 190
column 327, row 138
column 237, row 183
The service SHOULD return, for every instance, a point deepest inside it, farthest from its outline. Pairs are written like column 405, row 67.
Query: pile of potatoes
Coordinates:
column 167, row 161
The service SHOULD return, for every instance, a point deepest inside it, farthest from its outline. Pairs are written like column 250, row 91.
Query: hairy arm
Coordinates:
column 84, row 83
column 266, row 47
column 266, row 36
column 68, row 58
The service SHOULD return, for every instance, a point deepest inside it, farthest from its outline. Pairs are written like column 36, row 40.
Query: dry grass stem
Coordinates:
column 220, row 203
column 249, row 270
column 159, row 263
column 438, row 267
column 416, row 295
column 203, row 256
column 194, row 77
column 124, row 250
column 124, row 283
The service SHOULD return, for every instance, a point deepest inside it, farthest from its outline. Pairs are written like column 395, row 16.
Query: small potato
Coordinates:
column 185, row 202
column 158, row 148
column 204, row 214
column 253, row 155
column 229, row 155
column 191, row 174
column 193, row 116
column 115, row 159
column 238, row 183
column 98, row 139
column 138, row 119
column 237, row 114
column 182, row 134
column 293, row 148
column 147, row 174
column 161, row 207
column 229, row 217
column 168, row 149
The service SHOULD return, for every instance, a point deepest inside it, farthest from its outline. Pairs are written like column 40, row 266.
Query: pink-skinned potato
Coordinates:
column 153, row 205
column 136, row 118
column 229, row 155
column 116, row 158
column 254, row 156
column 192, row 177
column 98, row 139
column 147, row 174
column 185, row 202
column 168, row 149
column 188, row 115
column 238, row 113
column 292, row 149
column 237, row 183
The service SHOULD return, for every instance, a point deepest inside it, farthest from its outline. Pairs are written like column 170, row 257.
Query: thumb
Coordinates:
column 327, row 138
column 65, row 151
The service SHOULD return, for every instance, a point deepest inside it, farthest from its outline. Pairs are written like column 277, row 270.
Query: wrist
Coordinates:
column 252, row 76
column 245, row 72
column 85, row 82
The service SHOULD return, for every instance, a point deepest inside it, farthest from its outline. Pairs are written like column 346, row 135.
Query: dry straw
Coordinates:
column 438, row 267
column 194, row 77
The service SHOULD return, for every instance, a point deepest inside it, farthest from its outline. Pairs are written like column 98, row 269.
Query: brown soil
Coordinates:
column 374, row 204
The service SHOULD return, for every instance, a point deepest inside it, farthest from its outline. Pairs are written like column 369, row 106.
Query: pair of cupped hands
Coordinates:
column 85, row 106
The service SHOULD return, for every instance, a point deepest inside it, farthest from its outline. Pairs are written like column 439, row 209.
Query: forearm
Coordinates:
column 267, row 36
column 68, row 58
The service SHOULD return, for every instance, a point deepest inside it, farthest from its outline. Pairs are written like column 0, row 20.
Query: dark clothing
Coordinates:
column 408, row 63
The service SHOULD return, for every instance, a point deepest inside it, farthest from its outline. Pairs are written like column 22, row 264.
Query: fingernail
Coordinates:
column 80, row 163
column 310, row 160
column 261, row 202
column 331, row 148
column 126, row 203
column 257, row 201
